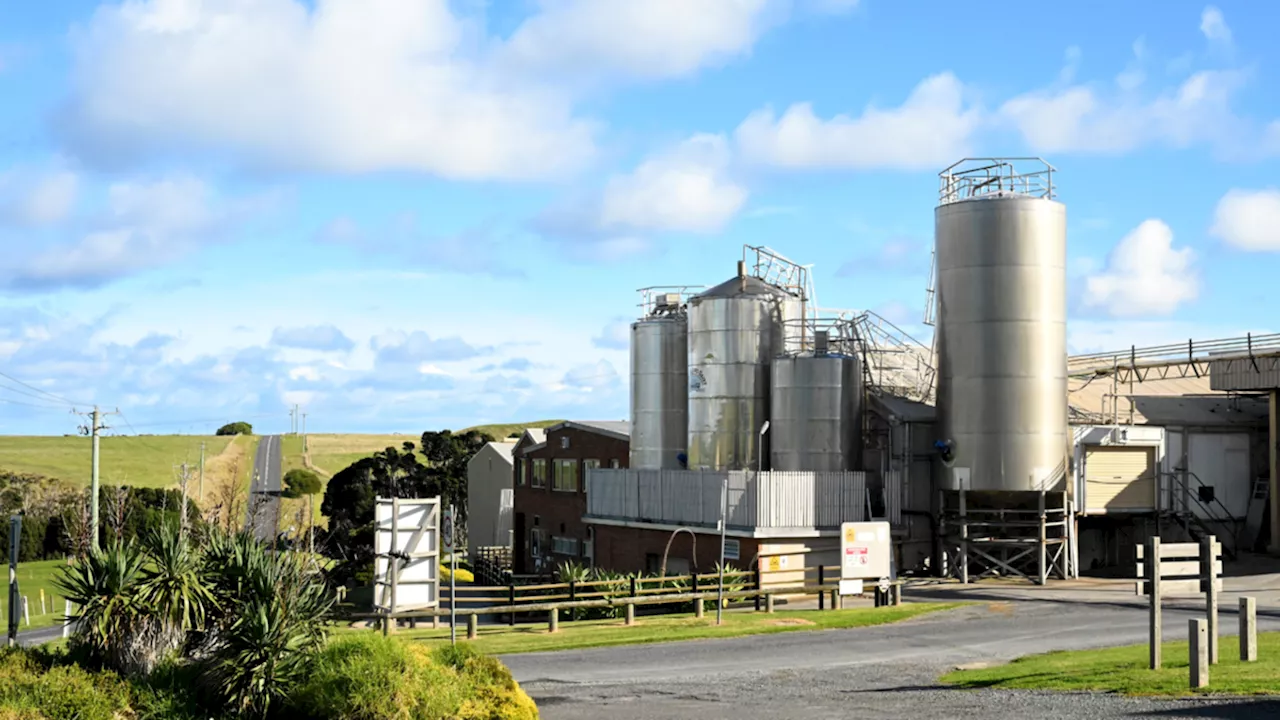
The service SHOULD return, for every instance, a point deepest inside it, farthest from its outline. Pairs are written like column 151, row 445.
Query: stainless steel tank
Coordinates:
column 815, row 416
column 1001, row 340
column 659, row 392
column 735, row 331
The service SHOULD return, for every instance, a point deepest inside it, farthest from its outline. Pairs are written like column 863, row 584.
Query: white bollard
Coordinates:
column 1248, row 629
column 26, row 610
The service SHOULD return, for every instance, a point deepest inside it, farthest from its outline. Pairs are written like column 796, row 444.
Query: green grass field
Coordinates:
column 143, row 461
column 501, row 431
column 500, row 639
column 32, row 578
column 1124, row 670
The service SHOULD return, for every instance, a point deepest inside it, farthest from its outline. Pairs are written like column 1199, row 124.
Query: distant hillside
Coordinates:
column 502, row 431
column 145, row 461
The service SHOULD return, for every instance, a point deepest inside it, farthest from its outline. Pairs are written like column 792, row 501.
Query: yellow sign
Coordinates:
column 849, row 534
column 775, row 563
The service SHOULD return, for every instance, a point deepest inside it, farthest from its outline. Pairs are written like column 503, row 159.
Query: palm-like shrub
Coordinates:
column 272, row 619
column 110, row 616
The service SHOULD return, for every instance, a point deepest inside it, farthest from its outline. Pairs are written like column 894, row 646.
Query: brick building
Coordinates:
column 551, row 494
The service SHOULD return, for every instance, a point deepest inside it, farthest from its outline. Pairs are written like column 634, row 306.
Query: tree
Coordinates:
column 351, row 494
column 236, row 428
column 297, row 483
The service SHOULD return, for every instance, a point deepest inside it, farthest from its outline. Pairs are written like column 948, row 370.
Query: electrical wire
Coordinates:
column 7, row 401
column 59, row 398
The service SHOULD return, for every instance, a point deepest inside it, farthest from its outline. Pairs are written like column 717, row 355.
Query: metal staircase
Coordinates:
column 893, row 362
column 1205, row 514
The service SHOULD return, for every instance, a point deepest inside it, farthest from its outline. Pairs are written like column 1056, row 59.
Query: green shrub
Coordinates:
column 29, row 691
column 236, row 428
column 369, row 677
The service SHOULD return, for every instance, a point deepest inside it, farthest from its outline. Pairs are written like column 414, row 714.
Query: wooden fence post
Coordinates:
column 1153, row 586
column 631, row 613
column 698, row 609
column 821, row 597
column 511, row 598
column 1248, row 630
column 1209, row 571
column 1199, row 650
column 471, row 626
column 553, row 621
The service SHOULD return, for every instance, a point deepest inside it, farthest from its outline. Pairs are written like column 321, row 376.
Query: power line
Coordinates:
column 59, row 398
column 32, row 405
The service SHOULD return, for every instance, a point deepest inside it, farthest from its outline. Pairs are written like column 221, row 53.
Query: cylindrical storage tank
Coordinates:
column 659, row 392
column 815, row 415
column 735, row 330
column 1002, row 341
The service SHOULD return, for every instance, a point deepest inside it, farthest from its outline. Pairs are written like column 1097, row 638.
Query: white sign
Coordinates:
column 731, row 549
column 884, row 584
column 697, row 380
column 850, row 587
column 446, row 531
column 408, row 539
column 865, row 551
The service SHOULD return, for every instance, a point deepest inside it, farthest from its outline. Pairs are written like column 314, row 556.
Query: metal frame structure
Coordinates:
column 1176, row 361
column 653, row 300
column 1026, row 534
column 977, row 177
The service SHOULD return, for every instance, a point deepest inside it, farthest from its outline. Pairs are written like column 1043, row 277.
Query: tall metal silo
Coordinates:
column 815, row 416
column 735, row 330
column 660, row 382
column 1001, row 326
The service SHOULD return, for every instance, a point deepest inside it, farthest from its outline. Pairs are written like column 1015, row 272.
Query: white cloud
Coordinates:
column 599, row 376
column 1249, row 219
column 649, row 40
column 1081, row 118
column 347, row 86
column 684, row 189
column 1214, row 25
column 614, row 336
column 1145, row 275
column 931, row 128
column 37, row 198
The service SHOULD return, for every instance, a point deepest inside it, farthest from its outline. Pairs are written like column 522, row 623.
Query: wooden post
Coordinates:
column 631, row 613
column 471, row 626
column 820, row 593
column 835, row 599
column 511, row 600
column 26, row 611
column 393, row 565
column 964, row 540
column 1199, row 653
column 66, row 619
column 698, row 609
column 1044, row 537
column 1209, row 571
column 1153, row 586
column 1248, row 630
column 553, row 621
column 768, row 603
column 895, row 594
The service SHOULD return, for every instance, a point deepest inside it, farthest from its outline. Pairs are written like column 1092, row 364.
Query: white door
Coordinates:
column 1220, row 460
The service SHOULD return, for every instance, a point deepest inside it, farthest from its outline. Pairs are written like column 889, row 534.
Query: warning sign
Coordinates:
column 866, row 550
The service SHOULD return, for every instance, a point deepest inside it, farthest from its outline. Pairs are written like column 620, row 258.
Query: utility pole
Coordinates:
column 304, row 433
column 202, row 472
column 95, row 428
column 184, row 477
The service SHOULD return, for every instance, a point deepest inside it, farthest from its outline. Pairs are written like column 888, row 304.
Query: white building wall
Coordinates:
column 489, row 472
column 1086, row 436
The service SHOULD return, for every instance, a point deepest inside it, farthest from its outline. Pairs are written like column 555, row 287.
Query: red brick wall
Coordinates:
column 628, row 549
column 559, row 513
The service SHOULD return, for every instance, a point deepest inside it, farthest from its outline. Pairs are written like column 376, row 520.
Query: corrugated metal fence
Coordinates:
column 772, row 500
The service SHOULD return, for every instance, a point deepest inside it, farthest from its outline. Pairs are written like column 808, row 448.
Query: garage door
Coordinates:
column 1119, row 479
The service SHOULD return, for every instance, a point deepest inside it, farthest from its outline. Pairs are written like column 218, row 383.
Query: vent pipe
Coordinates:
column 742, row 275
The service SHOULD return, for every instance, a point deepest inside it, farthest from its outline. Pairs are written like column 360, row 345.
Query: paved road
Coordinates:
column 263, row 513
column 885, row 672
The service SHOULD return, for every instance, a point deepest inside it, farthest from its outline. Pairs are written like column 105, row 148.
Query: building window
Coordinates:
column 564, row 442
column 535, row 543
column 564, row 546
column 566, row 479
column 520, row 478
column 615, row 464
column 539, row 473
column 590, row 465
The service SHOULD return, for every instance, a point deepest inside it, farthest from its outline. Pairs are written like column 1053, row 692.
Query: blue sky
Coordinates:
column 412, row 214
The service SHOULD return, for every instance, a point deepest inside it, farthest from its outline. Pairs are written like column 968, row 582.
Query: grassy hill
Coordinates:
column 501, row 431
column 146, row 461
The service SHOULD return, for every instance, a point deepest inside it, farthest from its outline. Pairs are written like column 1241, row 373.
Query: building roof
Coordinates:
column 505, row 448
column 537, row 435
column 1091, row 398
column 902, row 409
column 1203, row 410
column 620, row 429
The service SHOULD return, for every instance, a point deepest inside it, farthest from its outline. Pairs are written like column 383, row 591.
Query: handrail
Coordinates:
column 1134, row 357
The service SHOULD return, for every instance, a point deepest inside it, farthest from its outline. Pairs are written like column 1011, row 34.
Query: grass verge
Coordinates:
column 1124, row 670
column 32, row 578
column 501, row 639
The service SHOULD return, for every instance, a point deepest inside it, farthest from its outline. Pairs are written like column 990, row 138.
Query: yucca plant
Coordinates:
column 272, row 620
column 174, row 584
column 110, row 616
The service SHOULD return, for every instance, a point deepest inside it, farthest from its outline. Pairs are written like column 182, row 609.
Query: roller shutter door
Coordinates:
column 1119, row 479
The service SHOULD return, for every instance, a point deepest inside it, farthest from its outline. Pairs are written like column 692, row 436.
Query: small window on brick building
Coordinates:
column 615, row 464
column 590, row 464
column 539, row 473
column 564, row 442
column 520, row 470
